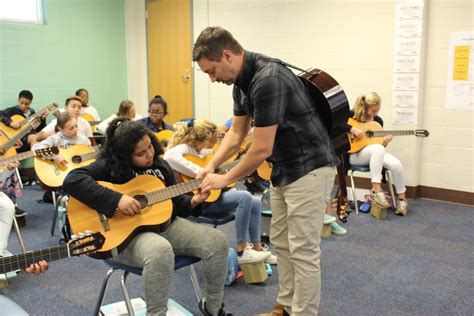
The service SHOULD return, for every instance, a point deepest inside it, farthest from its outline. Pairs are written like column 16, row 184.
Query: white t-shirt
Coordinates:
column 92, row 111
column 102, row 127
column 174, row 156
column 84, row 128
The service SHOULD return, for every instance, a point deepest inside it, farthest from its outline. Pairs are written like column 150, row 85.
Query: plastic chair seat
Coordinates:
column 214, row 219
column 179, row 262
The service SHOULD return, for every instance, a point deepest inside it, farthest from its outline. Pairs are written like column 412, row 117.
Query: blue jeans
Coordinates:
column 247, row 210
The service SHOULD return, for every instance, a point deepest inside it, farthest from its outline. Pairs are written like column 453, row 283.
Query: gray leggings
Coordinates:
column 154, row 253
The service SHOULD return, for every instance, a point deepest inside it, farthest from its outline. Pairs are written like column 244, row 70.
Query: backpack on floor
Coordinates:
column 232, row 267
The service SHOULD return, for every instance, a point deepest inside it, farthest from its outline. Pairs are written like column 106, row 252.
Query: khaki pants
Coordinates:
column 297, row 219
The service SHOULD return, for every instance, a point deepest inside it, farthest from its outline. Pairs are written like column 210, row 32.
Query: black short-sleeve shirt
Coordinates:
column 273, row 95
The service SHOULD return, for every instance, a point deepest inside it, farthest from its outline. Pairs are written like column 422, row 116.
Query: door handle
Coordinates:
column 186, row 76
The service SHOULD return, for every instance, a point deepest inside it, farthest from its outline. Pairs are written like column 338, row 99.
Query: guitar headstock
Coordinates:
column 47, row 153
column 85, row 243
column 52, row 106
column 422, row 133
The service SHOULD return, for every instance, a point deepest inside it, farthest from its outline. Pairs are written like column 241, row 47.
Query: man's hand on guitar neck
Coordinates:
column 387, row 139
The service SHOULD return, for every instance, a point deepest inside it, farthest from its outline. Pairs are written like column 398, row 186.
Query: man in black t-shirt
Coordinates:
column 289, row 133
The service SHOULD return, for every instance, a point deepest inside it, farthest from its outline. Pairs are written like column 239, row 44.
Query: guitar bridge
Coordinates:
column 104, row 222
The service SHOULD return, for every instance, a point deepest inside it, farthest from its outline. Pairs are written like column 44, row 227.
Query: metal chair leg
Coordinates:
column 194, row 279
column 18, row 234
column 102, row 291
column 388, row 175
column 354, row 196
column 126, row 297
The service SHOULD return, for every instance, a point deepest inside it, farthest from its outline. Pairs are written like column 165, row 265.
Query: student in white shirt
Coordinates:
column 73, row 105
column 86, row 108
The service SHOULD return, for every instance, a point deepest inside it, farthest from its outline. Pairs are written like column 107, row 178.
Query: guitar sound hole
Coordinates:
column 369, row 133
column 76, row 159
column 142, row 200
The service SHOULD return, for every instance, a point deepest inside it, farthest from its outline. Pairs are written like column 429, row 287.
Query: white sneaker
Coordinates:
column 272, row 259
column 379, row 198
column 402, row 208
column 252, row 256
column 328, row 219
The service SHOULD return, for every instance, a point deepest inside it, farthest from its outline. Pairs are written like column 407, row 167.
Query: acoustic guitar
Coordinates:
column 89, row 118
column 156, row 209
column 164, row 137
column 202, row 162
column 45, row 153
column 374, row 134
column 83, row 243
column 26, row 124
column 52, row 175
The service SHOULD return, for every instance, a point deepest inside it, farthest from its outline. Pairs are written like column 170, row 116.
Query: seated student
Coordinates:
column 197, row 138
column 10, row 186
column 126, row 109
column 7, row 211
column 131, row 150
column 9, row 307
column 67, row 134
column 72, row 105
column 86, row 107
column 366, row 109
column 157, row 110
column 23, row 108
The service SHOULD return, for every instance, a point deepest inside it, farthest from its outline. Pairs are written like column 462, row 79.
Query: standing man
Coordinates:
column 289, row 132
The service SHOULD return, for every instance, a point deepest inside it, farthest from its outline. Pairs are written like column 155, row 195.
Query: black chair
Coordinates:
column 214, row 219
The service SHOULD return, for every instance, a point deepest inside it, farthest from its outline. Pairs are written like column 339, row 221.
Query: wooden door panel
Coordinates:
column 169, row 55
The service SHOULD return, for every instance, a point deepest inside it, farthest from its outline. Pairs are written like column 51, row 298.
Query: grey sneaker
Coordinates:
column 379, row 198
column 402, row 208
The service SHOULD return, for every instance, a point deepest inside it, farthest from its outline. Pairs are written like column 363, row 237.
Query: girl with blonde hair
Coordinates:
column 197, row 137
column 366, row 109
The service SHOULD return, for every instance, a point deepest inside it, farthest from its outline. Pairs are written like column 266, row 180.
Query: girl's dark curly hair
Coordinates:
column 122, row 137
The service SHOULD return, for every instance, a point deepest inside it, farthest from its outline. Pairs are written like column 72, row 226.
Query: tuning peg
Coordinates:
column 89, row 232
column 81, row 234
column 74, row 237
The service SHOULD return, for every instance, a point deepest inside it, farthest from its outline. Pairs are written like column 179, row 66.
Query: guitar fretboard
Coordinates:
column 22, row 261
column 172, row 191
column 394, row 133
column 20, row 156
column 89, row 156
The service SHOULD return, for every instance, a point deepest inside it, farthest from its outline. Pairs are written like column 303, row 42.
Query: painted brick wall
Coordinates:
column 81, row 45
column 354, row 42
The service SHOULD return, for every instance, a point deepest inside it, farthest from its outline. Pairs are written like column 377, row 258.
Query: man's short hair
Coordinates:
column 25, row 94
column 72, row 98
column 212, row 41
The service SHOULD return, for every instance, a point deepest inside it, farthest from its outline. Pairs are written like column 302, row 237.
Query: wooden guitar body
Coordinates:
column 164, row 137
column 122, row 228
column 356, row 143
column 52, row 175
column 11, row 132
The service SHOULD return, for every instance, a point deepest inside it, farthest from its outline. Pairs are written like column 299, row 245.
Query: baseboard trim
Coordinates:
column 422, row 191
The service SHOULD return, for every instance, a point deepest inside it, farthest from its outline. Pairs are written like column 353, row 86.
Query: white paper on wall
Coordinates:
column 408, row 28
column 406, row 81
column 405, row 99
column 404, row 115
column 407, row 63
column 409, row 10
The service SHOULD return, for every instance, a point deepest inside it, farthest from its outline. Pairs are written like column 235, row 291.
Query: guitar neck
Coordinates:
column 22, row 261
column 18, row 157
column 172, row 191
column 92, row 155
column 394, row 133
column 12, row 141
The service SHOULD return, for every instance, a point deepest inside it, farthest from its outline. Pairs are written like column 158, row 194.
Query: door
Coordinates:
column 169, row 55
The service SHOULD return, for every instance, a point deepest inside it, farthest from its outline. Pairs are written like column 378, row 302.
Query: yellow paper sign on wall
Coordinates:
column 461, row 62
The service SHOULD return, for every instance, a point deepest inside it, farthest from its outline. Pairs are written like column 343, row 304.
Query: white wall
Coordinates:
column 135, row 38
column 353, row 41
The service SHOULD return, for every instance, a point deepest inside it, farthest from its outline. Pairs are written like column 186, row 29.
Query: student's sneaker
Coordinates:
column 379, row 198
column 272, row 259
column 338, row 229
column 402, row 208
column 328, row 219
column 204, row 311
column 19, row 212
column 252, row 256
